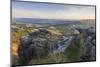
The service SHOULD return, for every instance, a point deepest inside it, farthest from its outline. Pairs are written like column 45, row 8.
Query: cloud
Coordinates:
column 51, row 11
column 72, row 13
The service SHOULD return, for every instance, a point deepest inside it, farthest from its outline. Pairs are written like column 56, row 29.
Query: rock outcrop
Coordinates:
column 35, row 45
column 89, row 50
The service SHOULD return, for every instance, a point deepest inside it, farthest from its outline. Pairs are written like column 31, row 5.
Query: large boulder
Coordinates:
column 35, row 45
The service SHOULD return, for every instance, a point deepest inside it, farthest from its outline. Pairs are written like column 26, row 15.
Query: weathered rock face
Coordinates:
column 89, row 51
column 35, row 45
column 62, row 44
column 39, row 43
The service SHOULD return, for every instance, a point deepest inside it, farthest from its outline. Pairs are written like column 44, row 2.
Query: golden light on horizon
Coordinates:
column 77, row 17
column 87, row 17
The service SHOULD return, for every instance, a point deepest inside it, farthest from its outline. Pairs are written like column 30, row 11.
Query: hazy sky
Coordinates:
column 51, row 11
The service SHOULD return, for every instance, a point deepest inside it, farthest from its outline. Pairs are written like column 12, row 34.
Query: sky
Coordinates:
column 51, row 11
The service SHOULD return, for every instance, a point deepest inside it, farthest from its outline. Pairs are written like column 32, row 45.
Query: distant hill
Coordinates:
column 51, row 21
column 90, row 22
column 44, row 21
